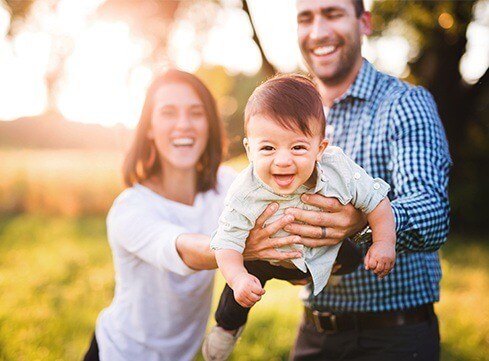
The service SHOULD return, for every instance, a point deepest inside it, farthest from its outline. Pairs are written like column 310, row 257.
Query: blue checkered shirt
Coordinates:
column 392, row 129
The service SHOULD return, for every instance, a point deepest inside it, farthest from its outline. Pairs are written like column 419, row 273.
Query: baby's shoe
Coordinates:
column 219, row 344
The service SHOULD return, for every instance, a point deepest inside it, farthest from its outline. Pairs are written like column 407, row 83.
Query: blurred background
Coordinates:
column 73, row 76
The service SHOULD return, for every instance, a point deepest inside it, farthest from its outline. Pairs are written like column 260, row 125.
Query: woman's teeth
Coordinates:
column 179, row 142
column 323, row 50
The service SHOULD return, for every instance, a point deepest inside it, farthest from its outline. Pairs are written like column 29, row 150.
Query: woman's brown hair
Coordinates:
column 142, row 160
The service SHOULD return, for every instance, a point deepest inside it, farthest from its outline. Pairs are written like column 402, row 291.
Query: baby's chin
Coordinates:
column 283, row 191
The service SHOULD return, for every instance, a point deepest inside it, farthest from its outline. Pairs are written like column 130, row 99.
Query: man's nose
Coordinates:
column 320, row 29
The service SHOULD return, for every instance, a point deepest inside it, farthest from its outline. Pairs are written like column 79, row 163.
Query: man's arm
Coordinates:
column 421, row 163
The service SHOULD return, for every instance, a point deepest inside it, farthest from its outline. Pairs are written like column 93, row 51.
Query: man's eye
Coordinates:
column 303, row 19
column 266, row 148
column 335, row 15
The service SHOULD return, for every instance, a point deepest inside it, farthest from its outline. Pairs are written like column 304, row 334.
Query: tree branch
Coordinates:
column 266, row 66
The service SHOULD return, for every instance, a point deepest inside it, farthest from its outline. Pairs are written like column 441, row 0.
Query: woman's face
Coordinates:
column 179, row 126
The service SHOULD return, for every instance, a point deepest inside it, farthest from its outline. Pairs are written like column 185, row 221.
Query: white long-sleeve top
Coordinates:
column 160, row 306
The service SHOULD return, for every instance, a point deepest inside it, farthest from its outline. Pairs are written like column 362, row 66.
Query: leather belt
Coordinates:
column 328, row 322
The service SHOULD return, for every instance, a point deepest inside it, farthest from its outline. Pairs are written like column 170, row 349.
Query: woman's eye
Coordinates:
column 167, row 113
column 197, row 113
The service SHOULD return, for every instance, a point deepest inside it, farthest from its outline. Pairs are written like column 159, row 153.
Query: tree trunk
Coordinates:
column 267, row 68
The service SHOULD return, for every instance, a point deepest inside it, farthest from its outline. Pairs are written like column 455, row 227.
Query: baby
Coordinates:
column 285, row 126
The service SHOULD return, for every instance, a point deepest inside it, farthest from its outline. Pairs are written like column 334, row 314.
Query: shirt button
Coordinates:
column 376, row 186
column 356, row 175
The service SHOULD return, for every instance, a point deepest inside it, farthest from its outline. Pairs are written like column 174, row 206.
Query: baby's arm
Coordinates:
column 382, row 254
column 247, row 288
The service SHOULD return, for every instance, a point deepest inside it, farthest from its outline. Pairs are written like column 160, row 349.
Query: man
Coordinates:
column 393, row 131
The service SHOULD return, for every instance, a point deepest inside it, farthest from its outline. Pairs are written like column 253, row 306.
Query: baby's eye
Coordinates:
column 299, row 147
column 267, row 148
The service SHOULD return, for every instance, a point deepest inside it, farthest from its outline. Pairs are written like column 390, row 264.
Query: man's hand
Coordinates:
column 247, row 289
column 341, row 221
column 259, row 245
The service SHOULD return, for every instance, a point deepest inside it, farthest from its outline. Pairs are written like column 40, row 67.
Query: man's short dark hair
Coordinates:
column 359, row 7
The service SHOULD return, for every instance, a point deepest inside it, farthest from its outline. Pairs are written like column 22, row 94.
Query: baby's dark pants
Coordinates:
column 230, row 315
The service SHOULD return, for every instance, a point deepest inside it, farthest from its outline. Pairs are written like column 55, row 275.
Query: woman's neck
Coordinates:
column 175, row 185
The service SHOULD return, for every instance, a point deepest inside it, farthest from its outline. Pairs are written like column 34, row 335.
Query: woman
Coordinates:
column 159, row 228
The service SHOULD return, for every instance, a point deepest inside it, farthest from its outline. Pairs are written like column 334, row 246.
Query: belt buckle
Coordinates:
column 332, row 321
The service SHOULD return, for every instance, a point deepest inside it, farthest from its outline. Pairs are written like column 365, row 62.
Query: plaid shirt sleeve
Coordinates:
column 420, row 166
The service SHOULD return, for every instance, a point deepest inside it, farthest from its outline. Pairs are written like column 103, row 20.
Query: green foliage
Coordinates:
column 56, row 275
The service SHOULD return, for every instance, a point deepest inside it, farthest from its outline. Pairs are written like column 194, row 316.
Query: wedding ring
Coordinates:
column 323, row 232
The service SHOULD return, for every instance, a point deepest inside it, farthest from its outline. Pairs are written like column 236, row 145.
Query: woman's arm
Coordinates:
column 195, row 252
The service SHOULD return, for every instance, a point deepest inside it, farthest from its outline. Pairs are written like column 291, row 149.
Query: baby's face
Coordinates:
column 284, row 159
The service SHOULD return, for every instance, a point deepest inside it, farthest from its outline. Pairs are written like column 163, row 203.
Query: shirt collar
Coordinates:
column 363, row 86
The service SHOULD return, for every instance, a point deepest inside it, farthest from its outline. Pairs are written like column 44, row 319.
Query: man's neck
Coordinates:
column 331, row 91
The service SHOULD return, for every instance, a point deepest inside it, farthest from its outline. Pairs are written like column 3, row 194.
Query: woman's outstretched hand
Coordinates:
column 259, row 245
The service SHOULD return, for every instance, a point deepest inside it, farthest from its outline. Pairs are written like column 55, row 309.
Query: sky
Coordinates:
column 96, row 87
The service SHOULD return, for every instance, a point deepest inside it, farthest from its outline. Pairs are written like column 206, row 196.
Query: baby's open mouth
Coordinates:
column 283, row 180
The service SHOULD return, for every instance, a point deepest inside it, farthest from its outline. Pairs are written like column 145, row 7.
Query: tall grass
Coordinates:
column 56, row 275
column 56, row 270
column 68, row 182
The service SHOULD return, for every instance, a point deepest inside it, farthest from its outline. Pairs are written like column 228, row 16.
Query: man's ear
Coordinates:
column 366, row 23
column 246, row 145
column 322, row 147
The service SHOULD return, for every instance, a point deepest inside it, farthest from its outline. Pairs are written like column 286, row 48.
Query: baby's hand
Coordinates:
column 380, row 258
column 247, row 289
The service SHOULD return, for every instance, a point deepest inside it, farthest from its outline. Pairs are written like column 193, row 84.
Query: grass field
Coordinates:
column 56, row 269
column 56, row 275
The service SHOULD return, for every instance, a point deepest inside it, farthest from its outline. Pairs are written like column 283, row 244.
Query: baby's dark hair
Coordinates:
column 290, row 100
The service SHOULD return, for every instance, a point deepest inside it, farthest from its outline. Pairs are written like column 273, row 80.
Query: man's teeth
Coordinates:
column 323, row 50
column 183, row 142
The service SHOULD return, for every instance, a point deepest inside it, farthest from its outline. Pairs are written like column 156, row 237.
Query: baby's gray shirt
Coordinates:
column 336, row 176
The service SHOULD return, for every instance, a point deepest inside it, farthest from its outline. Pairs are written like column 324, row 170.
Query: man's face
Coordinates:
column 330, row 37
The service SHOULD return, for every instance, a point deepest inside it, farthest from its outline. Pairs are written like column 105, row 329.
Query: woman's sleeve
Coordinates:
column 136, row 228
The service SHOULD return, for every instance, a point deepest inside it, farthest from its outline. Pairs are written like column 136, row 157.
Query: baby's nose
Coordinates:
column 283, row 159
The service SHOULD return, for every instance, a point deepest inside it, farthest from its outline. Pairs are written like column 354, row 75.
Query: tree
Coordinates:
column 438, row 31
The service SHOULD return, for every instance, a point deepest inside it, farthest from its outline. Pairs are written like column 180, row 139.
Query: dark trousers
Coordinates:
column 92, row 353
column 419, row 342
column 230, row 315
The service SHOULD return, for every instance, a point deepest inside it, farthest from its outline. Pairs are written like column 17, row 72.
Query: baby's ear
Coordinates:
column 246, row 144
column 322, row 147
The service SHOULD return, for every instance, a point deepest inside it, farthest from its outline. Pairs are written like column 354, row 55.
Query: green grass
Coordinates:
column 56, row 275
